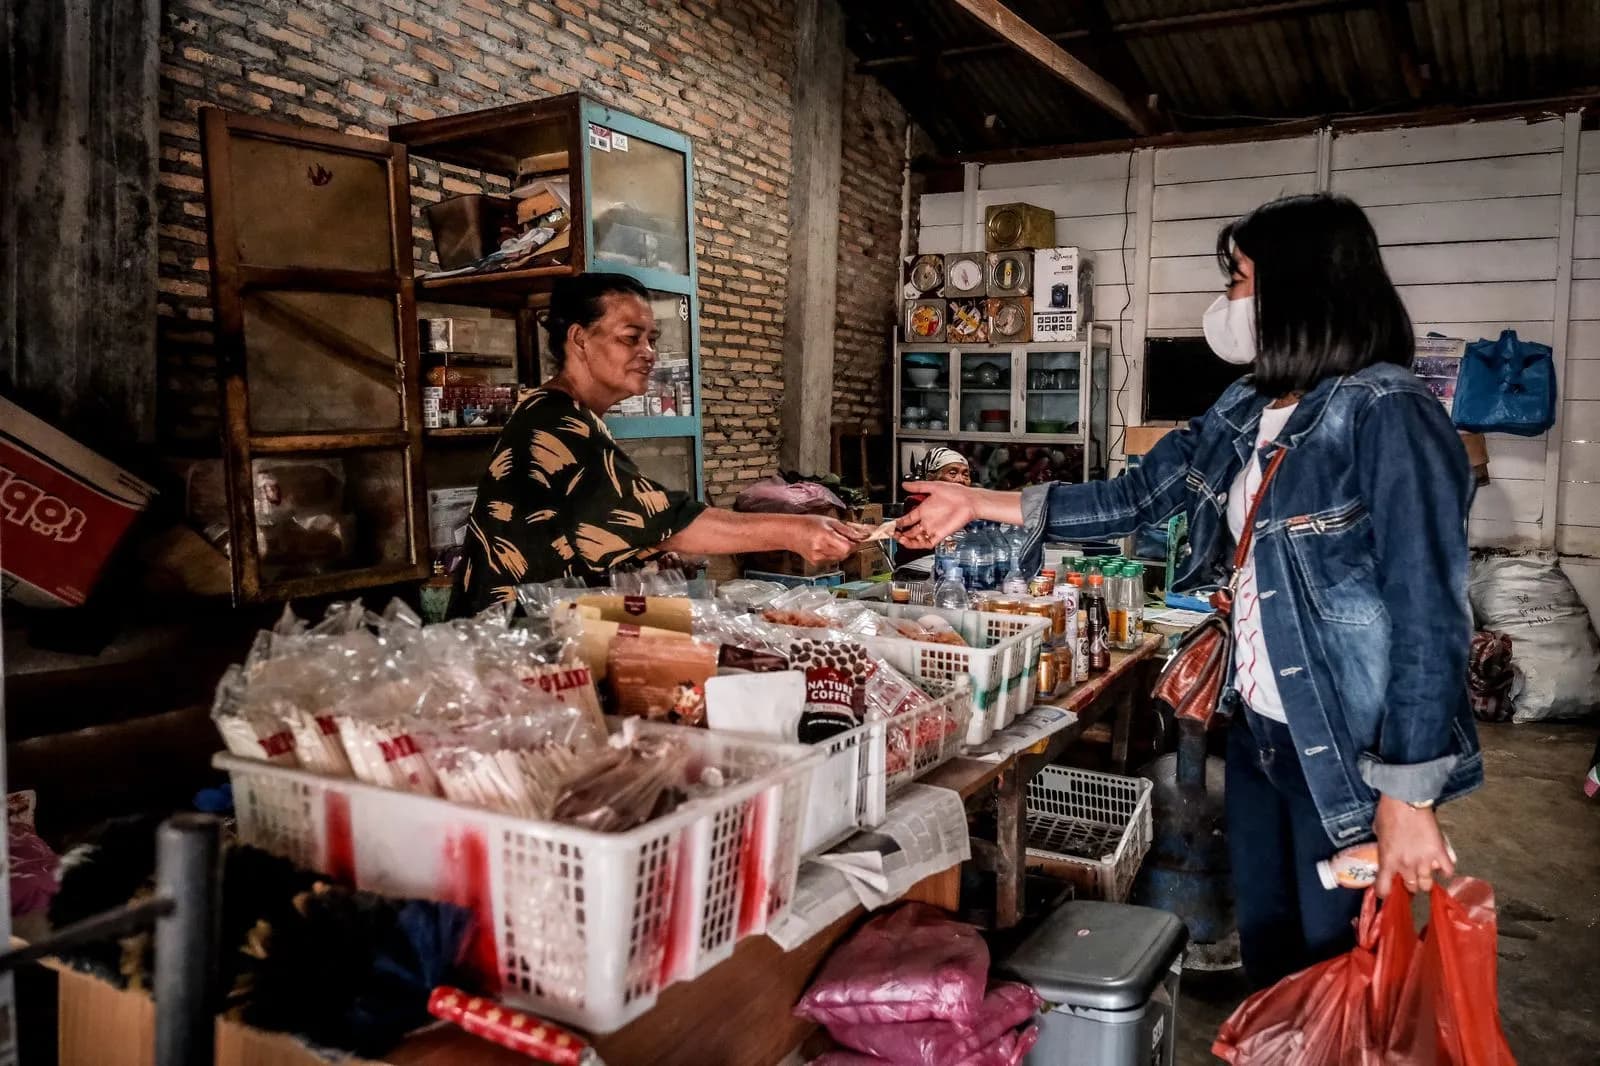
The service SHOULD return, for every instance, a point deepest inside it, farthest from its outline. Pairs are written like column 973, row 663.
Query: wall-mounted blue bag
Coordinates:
column 1506, row 386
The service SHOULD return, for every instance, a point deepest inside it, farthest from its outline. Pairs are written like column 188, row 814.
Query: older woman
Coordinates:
column 562, row 499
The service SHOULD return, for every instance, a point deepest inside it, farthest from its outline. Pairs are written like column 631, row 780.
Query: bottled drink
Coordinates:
column 946, row 556
column 1002, row 552
column 1098, row 624
column 1135, row 575
column 979, row 564
column 1018, row 543
column 1014, row 584
column 951, row 591
column 1117, row 606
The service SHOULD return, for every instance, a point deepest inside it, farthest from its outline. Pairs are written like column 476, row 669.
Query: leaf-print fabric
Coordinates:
column 560, row 499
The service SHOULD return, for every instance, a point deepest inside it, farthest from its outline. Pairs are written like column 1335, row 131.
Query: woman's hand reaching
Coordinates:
column 820, row 539
column 1410, row 846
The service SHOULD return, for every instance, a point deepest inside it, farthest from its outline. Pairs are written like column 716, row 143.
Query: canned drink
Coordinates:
column 1006, row 605
column 1064, row 665
column 1043, row 583
column 1058, row 619
column 1049, row 673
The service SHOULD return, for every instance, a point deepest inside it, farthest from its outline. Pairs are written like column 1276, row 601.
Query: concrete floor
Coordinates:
column 1532, row 834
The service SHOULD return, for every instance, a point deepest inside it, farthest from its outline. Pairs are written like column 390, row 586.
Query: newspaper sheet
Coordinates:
column 924, row 832
column 1040, row 723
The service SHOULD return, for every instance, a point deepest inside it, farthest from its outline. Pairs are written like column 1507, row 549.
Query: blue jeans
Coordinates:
column 1287, row 920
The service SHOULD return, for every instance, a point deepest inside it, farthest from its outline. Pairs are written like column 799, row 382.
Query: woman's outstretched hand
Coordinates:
column 948, row 507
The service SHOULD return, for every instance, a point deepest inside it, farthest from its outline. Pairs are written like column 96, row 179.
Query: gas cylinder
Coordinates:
column 1187, row 870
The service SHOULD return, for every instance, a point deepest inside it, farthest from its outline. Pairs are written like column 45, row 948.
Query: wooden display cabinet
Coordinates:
column 316, row 299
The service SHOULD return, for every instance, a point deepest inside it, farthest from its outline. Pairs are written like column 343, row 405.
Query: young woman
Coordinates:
column 1349, row 683
column 561, row 499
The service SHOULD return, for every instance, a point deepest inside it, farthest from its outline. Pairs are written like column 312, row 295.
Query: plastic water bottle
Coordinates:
column 947, row 556
column 951, row 592
column 1017, row 542
column 1014, row 584
column 1002, row 552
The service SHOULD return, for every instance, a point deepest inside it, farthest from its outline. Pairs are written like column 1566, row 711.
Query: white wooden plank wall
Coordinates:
column 1468, row 217
column 1578, row 530
column 1198, row 191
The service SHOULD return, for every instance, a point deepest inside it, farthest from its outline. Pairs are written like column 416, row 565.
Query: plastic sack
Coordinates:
column 774, row 495
column 910, row 965
column 1393, row 1000
column 935, row 1043
column 1506, row 386
column 34, row 863
column 1528, row 598
column 1008, row 1049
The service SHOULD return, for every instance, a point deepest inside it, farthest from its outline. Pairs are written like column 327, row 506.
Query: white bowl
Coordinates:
column 914, row 412
column 923, row 377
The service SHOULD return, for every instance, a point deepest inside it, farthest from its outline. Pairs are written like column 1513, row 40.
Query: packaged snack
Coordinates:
column 661, row 679
column 836, row 674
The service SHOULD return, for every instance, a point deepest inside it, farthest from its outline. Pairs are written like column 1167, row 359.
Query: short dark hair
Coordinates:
column 581, row 301
column 1324, row 303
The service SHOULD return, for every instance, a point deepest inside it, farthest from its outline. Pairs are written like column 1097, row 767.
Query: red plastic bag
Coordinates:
column 1393, row 1000
column 910, row 965
column 933, row 1043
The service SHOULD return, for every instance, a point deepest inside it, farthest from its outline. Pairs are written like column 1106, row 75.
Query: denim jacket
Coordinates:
column 1361, row 558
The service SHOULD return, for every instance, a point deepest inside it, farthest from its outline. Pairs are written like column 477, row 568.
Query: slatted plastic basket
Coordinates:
column 863, row 767
column 1098, row 825
column 578, row 926
column 1002, row 660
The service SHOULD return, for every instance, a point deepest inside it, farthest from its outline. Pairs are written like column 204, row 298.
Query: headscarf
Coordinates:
column 939, row 457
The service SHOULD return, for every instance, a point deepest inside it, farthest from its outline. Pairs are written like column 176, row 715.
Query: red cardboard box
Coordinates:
column 63, row 509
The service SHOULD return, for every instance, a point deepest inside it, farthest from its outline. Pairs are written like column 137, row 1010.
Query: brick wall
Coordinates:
column 873, row 138
column 718, row 70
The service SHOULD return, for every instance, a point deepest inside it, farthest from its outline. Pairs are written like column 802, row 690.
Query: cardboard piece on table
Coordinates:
column 760, row 705
column 1140, row 439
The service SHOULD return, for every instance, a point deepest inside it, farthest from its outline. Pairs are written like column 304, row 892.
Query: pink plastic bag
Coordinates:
column 774, row 495
column 1007, row 1050
column 911, row 965
column 933, row 1043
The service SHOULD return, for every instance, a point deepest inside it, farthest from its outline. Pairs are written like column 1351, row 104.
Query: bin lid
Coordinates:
column 1107, row 956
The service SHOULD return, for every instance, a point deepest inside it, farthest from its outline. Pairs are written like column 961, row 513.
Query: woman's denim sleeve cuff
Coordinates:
column 1035, row 506
column 1419, row 782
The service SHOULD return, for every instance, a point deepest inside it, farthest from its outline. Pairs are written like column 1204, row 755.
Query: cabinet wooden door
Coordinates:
column 315, row 319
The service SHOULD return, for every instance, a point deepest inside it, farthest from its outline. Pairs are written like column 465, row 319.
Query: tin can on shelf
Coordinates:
column 1049, row 674
column 1043, row 583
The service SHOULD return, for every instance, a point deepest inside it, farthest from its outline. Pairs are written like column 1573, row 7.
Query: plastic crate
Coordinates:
column 1098, row 823
column 1002, row 660
column 578, row 926
column 863, row 767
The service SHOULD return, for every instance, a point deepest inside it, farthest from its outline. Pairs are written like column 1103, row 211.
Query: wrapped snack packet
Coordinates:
column 639, row 778
column 661, row 678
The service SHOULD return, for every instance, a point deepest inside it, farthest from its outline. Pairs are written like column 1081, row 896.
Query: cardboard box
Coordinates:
column 476, row 336
column 1140, row 439
column 64, row 510
column 1063, row 293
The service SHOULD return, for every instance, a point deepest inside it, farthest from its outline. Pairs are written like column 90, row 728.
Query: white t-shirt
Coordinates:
column 1253, row 675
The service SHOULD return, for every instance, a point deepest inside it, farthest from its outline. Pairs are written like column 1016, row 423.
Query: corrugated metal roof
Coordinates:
column 1241, row 62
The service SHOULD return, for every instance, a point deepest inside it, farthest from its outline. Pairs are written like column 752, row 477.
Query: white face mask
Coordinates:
column 1230, row 328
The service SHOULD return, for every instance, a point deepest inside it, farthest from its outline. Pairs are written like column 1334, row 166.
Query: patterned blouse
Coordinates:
column 560, row 499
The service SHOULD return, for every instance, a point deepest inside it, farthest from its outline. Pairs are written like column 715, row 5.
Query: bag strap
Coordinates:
column 1248, row 534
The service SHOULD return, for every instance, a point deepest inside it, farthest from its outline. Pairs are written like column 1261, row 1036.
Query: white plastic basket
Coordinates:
column 863, row 767
column 1097, row 823
column 1002, row 660
column 578, row 926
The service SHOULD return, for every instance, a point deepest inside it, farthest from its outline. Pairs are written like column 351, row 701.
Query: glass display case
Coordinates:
column 332, row 449
column 1023, row 413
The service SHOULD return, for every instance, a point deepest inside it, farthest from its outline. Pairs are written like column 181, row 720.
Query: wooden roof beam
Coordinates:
column 1005, row 24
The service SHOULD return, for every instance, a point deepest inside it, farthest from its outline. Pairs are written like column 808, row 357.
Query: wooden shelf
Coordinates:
column 462, row 432
column 505, row 288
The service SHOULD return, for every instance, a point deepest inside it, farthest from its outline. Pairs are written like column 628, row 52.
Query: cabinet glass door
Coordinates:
column 1052, row 393
column 639, row 202
column 985, row 392
column 925, row 391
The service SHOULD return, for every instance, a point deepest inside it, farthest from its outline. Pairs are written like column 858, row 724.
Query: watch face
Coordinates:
column 966, row 274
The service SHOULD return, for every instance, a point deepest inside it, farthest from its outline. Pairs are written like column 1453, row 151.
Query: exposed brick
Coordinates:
column 716, row 70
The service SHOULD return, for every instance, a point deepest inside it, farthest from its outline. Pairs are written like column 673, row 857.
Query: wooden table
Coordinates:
column 738, row 1013
column 1002, row 786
